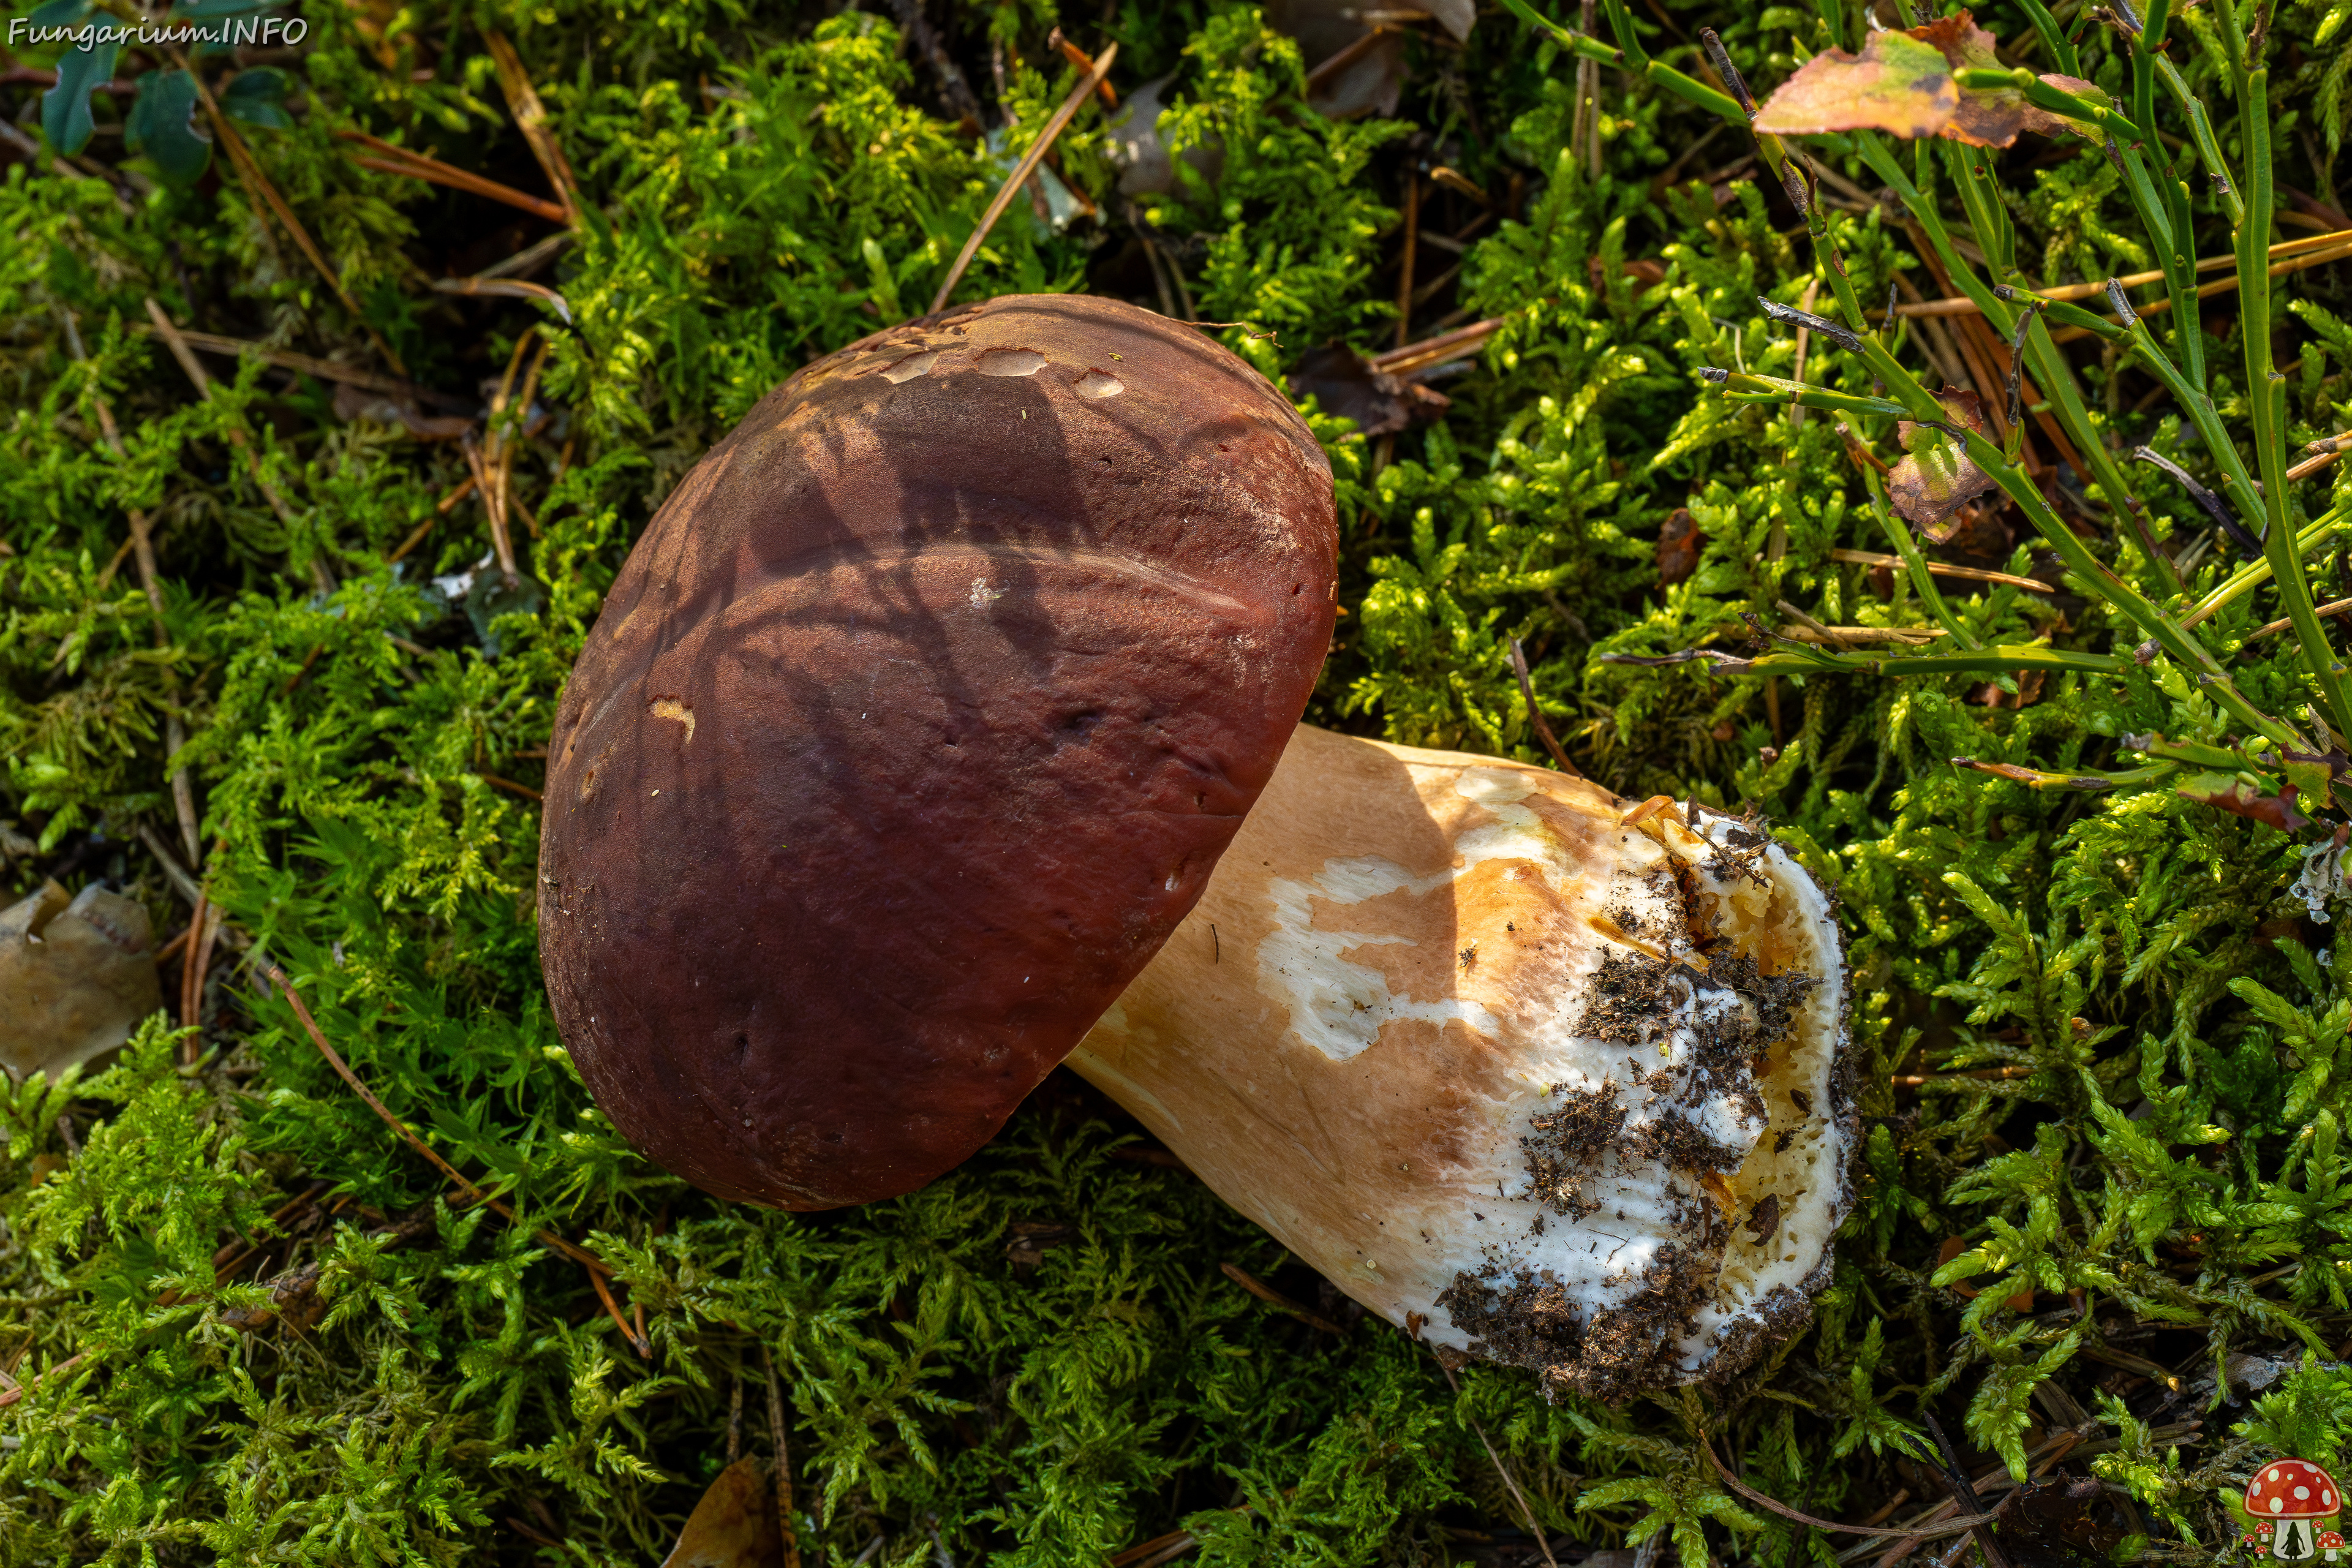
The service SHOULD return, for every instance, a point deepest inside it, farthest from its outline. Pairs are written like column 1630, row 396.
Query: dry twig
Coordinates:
column 1534, row 714
column 1273, row 1298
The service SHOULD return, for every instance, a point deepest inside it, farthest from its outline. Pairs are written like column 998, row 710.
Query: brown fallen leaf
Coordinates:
column 734, row 1525
column 1679, row 543
column 1355, row 50
column 1367, row 78
column 2232, row 793
column 1345, row 383
column 76, row 976
column 1135, row 148
column 1937, row 477
column 1899, row 84
column 1993, row 119
column 2068, row 1522
column 293, row 1296
column 1981, row 534
column 1903, row 83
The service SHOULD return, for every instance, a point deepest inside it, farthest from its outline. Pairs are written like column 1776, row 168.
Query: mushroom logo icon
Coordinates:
column 2297, row 1501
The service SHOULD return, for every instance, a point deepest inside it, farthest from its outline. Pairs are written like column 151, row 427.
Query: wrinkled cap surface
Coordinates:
column 915, row 721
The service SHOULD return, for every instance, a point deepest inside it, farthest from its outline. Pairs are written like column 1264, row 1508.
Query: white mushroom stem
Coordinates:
column 1530, row 1071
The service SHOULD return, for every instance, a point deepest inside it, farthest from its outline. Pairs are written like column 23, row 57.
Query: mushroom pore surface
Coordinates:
column 1529, row 1071
column 916, row 720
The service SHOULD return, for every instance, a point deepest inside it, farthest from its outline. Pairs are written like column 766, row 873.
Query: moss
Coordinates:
column 2102, row 1055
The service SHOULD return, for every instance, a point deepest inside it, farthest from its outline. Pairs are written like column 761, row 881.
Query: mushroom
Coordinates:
column 1538, row 1075
column 916, row 720
column 2293, row 1495
column 2331, row 1544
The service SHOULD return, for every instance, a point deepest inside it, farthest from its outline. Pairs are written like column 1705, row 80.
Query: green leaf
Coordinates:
column 64, row 108
column 162, row 127
column 257, row 97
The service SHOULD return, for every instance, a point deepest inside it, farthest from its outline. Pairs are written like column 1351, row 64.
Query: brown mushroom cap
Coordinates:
column 914, row 724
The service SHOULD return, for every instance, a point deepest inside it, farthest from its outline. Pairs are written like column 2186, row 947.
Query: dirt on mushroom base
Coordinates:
column 1636, row 1344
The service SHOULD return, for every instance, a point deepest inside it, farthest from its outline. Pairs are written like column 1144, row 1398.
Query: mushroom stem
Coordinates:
column 1528, row 1073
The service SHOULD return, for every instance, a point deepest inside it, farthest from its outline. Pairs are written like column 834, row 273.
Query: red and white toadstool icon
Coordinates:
column 2331, row 1544
column 2293, row 1496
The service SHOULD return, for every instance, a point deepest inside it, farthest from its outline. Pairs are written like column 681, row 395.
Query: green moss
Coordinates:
column 2093, row 1059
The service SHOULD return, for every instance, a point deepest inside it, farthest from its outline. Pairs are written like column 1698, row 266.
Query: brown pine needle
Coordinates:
column 2219, row 286
column 277, row 976
column 1085, row 63
column 2338, row 239
column 1969, row 573
column 531, row 118
column 523, row 790
column 1020, row 175
column 1526, row 1513
column 258, row 184
column 2335, row 608
column 1455, row 181
column 170, row 333
column 440, row 510
column 506, row 288
column 784, row 1463
column 612, row 1310
column 1273, row 1298
column 391, row 159
column 1432, row 350
column 11, row 1396
column 1947, row 1526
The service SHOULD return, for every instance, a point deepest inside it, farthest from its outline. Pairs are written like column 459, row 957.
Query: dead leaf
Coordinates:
column 76, row 976
column 1369, row 81
column 1903, row 83
column 1937, row 477
column 1679, row 543
column 1345, row 383
column 1142, row 157
column 734, row 1525
column 1981, row 533
column 2065, row 1523
column 1031, row 1239
column 2232, row 793
column 1373, row 78
column 1991, row 118
column 1899, row 84
column 293, row 1296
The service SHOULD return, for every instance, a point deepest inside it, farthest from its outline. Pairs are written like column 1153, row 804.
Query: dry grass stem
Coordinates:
column 1021, row 172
